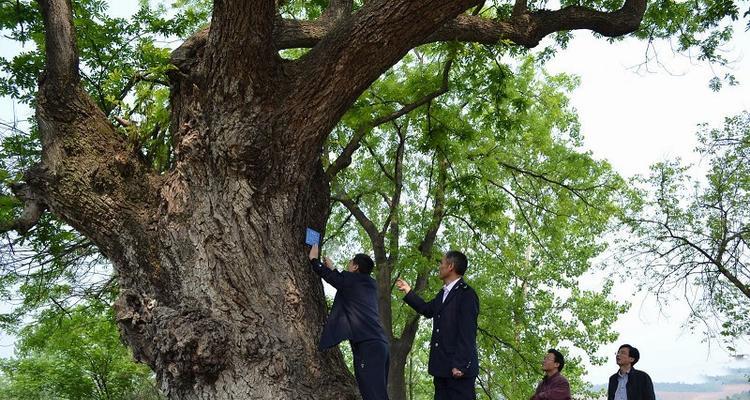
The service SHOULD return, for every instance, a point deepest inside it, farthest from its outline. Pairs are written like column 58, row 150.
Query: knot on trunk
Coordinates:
column 185, row 346
column 107, row 177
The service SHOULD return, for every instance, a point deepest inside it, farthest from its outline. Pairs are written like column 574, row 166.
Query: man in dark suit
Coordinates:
column 354, row 317
column 453, row 362
column 629, row 383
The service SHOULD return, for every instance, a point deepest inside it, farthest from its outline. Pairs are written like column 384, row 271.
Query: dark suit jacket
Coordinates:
column 354, row 314
column 639, row 386
column 454, row 330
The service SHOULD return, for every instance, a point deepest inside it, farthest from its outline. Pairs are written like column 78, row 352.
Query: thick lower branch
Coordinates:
column 525, row 28
column 745, row 289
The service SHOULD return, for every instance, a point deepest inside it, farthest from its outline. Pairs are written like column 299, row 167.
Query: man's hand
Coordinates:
column 457, row 373
column 328, row 263
column 314, row 251
column 403, row 286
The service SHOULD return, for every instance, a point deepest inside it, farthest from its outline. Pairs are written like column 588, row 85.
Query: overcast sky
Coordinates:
column 633, row 120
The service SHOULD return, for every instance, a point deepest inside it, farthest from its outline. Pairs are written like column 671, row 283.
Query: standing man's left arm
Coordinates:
column 467, row 334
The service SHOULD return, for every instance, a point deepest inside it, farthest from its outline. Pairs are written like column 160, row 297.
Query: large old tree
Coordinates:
column 209, row 255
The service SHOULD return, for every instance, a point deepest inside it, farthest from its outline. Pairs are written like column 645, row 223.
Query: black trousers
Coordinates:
column 371, row 359
column 454, row 388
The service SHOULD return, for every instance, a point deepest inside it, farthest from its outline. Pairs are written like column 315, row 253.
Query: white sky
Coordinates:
column 632, row 120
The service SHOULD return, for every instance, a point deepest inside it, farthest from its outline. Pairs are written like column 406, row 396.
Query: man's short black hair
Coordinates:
column 459, row 261
column 558, row 358
column 632, row 352
column 364, row 263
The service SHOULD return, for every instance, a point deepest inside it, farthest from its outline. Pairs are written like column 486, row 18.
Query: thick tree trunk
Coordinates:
column 242, row 315
column 216, row 294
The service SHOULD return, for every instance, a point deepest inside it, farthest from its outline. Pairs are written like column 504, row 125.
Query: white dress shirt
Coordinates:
column 447, row 288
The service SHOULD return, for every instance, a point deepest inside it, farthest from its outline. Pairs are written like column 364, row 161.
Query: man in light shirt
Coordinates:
column 453, row 360
column 629, row 383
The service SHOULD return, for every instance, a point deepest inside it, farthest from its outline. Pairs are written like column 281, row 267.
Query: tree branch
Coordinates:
column 367, row 224
column 89, row 177
column 425, row 246
column 60, row 43
column 523, row 28
column 398, row 182
column 572, row 189
column 355, row 52
column 733, row 278
column 506, row 344
column 520, row 7
column 345, row 158
column 337, row 9
column 382, row 167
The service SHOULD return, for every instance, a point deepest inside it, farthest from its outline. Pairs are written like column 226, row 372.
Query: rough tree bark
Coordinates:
column 215, row 294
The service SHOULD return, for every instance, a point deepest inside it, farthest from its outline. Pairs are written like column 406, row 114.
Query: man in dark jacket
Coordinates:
column 453, row 359
column 354, row 317
column 553, row 386
column 629, row 383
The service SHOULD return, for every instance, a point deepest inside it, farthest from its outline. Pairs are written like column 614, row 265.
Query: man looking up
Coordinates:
column 629, row 383
column 553, row 386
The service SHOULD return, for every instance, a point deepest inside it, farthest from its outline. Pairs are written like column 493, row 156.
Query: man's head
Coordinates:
column 627, row 356
column 453, row 265
column 361, row 263
column 553, row 362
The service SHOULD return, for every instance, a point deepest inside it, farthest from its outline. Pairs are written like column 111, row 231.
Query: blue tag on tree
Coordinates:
column 312, row 237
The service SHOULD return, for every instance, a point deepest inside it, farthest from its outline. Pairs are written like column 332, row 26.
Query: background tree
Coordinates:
column 75, row 354
column 202, row 239
column 696, row 248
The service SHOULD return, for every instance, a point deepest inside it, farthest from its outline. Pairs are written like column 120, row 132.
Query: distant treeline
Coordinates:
column 735, row 375
column 739, row 396
column 713, row 383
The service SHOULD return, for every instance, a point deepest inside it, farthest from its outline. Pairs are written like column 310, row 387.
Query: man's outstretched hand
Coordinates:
column 403, row 286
